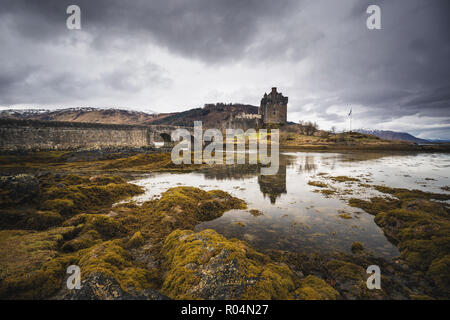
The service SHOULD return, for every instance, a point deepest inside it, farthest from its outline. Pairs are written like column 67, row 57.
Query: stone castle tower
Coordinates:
column 273, row 109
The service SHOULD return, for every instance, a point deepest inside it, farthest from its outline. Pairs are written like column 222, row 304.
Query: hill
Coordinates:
column 212, row 115
column 91, row 115
column 393, row 135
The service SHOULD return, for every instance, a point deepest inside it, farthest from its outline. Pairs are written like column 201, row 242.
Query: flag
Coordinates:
column 350, row 113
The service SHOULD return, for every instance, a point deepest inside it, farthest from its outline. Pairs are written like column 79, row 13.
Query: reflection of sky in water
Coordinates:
column 294, row 216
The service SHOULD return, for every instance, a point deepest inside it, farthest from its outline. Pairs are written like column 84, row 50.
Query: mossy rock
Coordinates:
column 205, row 265
column 63, row 206
column 21, row 188
column 314, row 288
column 111, row 258
column 29, row 219
column 31, row 267
column 419, row 226
column 342, row 270
column 318, row 184
column 375, row 204
column 83, row 241
column 136, row 240
column 107, row 227
column 72, row 194
column 439, row 272
column 357, row 247
column 198, row 204
column 344, row 179
column 350, row 280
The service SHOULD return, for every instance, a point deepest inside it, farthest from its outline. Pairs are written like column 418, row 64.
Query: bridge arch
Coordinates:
column 167, row 139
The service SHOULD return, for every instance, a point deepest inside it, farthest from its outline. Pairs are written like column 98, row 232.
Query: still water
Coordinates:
column 295, row 216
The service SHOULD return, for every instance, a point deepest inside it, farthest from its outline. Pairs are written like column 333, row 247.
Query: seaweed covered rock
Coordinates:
column 198, row 204
column 28, row 219
column 113, row 260
column 419, row 226
column 439, row 271
column 136, row 240
column 18, row 189
column 177, row 208
column 205, row 265
column 71, row 194
column 99, row 286
column 31, row 267
column 107, row 227
column 357, row 247
column 350, row 280
column 314, row 288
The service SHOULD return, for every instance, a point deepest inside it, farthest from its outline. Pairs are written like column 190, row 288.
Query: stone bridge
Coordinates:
column 56, row 135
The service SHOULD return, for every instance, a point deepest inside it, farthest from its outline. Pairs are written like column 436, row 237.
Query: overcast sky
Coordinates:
column 173, row 55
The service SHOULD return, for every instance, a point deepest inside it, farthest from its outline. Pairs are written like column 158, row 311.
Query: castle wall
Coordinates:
column 46, row 135
column 275, row 113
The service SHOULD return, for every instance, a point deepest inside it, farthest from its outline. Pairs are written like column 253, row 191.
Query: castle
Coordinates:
column 273, row 109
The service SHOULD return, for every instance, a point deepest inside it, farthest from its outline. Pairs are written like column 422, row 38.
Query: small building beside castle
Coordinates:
column 273, row 109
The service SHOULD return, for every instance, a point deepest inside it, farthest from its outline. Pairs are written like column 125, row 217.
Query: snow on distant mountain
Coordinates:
column 84, row 114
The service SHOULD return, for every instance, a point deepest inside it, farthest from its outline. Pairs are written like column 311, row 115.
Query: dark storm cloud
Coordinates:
column 207, row 29
column 320, row 52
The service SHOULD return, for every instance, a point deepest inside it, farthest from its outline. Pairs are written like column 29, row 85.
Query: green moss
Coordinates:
column 198, row 204
column 357, row 247
column 344, row 179
column 31, row 267
column 146, row 162
column 63, row 206
column 439, row 272
column 72, row 194
column 314, row 288
column 375, row 204
column 255, row 212
column 317, row 184
column 136, row 240
column 112, row 259
column 343, row 270
column 419, row 226
column 106, row 226
column 189, row 255
column 405, row 194
column 345, row 216
column 83, row 241
column 28, row 219
column 327, row 192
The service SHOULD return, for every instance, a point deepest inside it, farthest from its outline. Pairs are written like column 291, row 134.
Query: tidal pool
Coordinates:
column 295, row 215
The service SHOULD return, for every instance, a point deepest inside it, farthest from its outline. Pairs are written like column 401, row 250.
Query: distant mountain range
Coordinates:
column 393, row 135
column 211, row 115
column 93, row 115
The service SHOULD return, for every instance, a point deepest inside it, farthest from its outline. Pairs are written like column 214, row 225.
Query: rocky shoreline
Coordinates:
column 150, row 251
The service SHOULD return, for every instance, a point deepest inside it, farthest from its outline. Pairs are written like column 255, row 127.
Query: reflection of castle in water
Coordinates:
column 272, row 186
column 307, row 164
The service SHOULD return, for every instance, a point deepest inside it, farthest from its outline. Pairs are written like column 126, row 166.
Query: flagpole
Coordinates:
column 351, row 115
